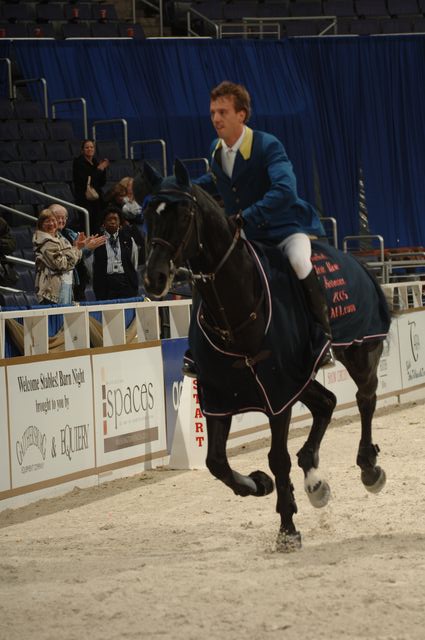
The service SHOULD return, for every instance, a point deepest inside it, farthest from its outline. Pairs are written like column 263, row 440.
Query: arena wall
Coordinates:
column 84, row 415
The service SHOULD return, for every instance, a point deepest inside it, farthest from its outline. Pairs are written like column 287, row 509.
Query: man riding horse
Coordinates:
column 252, row 174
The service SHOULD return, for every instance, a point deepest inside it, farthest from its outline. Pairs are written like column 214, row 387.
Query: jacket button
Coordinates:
column 234, row 189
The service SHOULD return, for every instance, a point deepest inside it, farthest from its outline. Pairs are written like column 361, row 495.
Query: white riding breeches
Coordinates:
column 298, row 249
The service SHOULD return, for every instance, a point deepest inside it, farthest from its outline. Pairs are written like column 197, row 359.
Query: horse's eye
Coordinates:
column 160, row 207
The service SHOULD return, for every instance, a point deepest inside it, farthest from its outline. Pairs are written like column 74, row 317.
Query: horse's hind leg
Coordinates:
column 362, row 364
column 321, row 404
column 256, row 483
column 288, row 538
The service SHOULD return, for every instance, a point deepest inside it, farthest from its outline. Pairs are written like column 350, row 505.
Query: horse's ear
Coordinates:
column 145, row 182
column 181, row 173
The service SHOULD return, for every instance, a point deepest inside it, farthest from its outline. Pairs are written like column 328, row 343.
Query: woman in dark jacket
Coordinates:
column 84, row 167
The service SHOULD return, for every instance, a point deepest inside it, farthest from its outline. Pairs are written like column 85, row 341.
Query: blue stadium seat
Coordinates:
column 78, row 10
column 365, row 27
column 109, row 9
column 22, row 12
column 8, row 194
column 60, row 130
column 28, row 197
column 36, row 130
column 120, row 169
column 38, row 171
column 28, row 110
column 108, row 149
column 131, row 30
column 104, row 30
column 60, row 190
column 6, row 108
column 12, row 170
column 371, row 8
column 306, row 8
column 77, row 30
column 343, row 8
column 396, row 25
column 49, row 12
column 9, row 130
column 9, row 152
column 31, row 150
column 398, row 8
column 58, row 150
column 62, row 171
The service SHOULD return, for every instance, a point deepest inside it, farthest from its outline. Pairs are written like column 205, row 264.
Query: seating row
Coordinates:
column 67, row 30
column 57, row 11
column 222, row 10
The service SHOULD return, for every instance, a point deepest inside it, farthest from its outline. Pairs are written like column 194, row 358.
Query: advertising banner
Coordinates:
column 389, row 371
column 4, row 435
column 411, row 333
column 129, row 404
column 172, row 354
column 51, row 419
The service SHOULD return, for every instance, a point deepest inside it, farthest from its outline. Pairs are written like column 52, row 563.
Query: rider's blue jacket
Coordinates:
column 263, row 186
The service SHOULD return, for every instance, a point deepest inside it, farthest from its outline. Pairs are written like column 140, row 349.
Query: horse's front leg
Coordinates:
column 256, row 483
column 288, row 538
column 321, row 404
column 362, row 364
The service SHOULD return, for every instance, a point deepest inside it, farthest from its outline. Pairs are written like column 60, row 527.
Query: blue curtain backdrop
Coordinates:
column 336, row 103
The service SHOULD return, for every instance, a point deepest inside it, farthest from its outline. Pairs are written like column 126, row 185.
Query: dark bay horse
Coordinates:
column 241, row 349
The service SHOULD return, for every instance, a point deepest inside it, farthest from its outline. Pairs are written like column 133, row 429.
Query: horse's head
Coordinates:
column 171, row 224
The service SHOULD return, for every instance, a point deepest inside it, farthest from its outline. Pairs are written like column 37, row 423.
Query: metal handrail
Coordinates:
column 32, row 81
column 157, row 7
column 27, row 216
column 190, row 31
column 152, row 141
column 283, row 19
column 334, row 228
column 84, row 106
column 9, row 76
column 114, row 121
column 225, row 28
column 54, row 199
column 380, row 239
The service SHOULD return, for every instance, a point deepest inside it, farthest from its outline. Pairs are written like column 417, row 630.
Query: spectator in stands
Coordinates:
column 131, row 209
column 88, row 172
column 252, row 174
column 121, row 197
column 115, row 263
column 77, row 239
column 55, row 260
column 8, row 275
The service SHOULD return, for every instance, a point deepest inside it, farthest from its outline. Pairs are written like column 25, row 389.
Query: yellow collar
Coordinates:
column 246, row 146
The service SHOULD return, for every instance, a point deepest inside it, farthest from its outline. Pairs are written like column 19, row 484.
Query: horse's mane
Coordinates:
column 206, row 202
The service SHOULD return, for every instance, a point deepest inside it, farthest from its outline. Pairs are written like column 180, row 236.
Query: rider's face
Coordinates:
column 226, row 120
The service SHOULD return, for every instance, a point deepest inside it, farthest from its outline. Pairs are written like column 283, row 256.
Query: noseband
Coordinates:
column 177, row 251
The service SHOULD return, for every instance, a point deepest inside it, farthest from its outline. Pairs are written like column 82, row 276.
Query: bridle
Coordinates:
column 228, row 333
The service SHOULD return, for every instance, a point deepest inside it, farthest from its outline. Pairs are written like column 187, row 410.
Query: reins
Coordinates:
column 226, row 334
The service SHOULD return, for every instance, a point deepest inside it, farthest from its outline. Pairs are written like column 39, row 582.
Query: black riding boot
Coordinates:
column 316, row 300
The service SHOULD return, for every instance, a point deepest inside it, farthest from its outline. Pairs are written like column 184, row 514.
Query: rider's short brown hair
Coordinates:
column 240, row 95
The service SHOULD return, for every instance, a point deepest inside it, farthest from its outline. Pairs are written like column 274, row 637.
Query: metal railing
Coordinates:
column 8, row 62
column 43, row 83
column 84, row 108
column 114, row 121
column 159, row 141
column 47, row 196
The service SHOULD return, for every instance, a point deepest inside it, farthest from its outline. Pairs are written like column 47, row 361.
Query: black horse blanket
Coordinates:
column 293, row 341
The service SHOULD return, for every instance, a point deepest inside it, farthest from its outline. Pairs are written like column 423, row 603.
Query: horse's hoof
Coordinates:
column 288, row 542
column 374, row 480
column 264, row 483
column 318, row 490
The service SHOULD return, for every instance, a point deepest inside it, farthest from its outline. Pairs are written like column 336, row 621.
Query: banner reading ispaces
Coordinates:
column 51, row 419
column 129, row 404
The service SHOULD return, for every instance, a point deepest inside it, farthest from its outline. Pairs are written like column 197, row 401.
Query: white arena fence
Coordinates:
column 98, row 392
